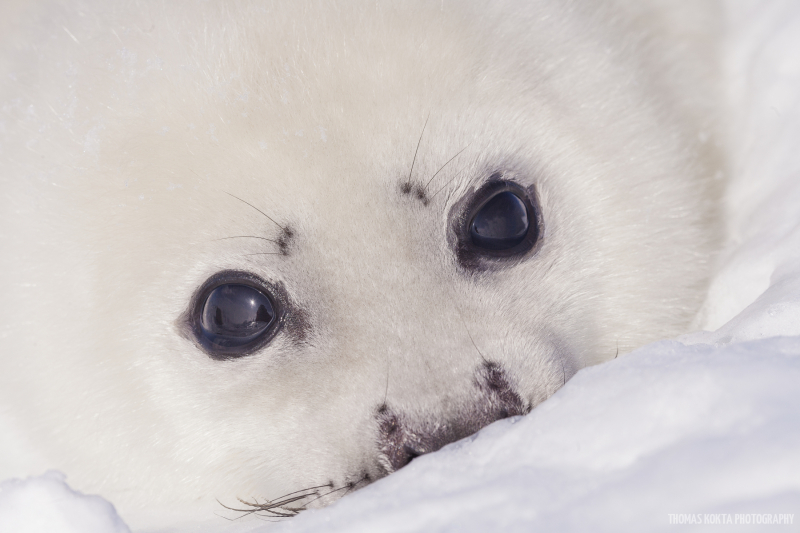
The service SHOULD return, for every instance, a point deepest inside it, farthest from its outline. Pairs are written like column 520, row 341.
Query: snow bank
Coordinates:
column 757, row 293
column 45, row 504
column 690, row 433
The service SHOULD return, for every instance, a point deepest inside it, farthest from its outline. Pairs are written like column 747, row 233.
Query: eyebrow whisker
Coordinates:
column 448, row 162
column 246, row 237
column 445, row 185
column 417, row 150
column 257, row 209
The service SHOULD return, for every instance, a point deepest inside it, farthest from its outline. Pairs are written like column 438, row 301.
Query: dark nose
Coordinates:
column 401, row 438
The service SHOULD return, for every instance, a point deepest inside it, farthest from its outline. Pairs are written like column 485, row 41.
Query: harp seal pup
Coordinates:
column 250, row 248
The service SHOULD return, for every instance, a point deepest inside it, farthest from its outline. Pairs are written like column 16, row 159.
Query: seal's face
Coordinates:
column 304, row 250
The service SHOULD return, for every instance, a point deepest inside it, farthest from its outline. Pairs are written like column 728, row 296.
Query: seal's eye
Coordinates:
column 495, row 226
column 234, row 315
column 501, row 223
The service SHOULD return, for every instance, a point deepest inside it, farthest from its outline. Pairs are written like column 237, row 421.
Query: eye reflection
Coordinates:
column 501, row 223
column 234, row 315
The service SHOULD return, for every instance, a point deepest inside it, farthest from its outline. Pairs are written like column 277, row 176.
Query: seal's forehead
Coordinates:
column 322, row 115
column 318, row 97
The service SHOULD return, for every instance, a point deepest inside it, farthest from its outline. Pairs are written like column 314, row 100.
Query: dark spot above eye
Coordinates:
column 415, row 191
column 285, row 240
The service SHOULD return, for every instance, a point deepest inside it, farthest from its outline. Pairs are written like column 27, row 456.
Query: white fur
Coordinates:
column 125, row 124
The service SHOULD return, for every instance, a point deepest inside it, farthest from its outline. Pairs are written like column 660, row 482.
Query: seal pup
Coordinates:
column 251, row 248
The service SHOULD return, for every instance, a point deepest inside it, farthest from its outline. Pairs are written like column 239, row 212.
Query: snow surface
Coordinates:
column 698, row 429
column 47, row 504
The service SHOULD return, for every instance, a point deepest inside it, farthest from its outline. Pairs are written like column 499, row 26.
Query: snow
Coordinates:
column 690, row 433
column 47, row 504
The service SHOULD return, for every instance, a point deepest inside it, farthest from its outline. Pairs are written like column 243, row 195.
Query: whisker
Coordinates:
column 448, row 162
column 327, row 494
column 468, row 333
column 254, row 207
column 281, row 502
column 448, row 183
column 286, row 512
column 263, row 253
column 246, row 237
column 325, row 486
column 417, row 150
column 353, row 485
column 280, row 508
column 247, row 511
column 386, row 392
column 473, row 342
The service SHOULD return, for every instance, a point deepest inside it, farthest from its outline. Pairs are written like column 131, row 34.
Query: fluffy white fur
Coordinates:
column 126, row 126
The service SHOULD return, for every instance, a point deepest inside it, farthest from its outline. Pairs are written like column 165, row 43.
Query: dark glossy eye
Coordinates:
column 501, row 223
column 495, row 225
column 233, row 315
